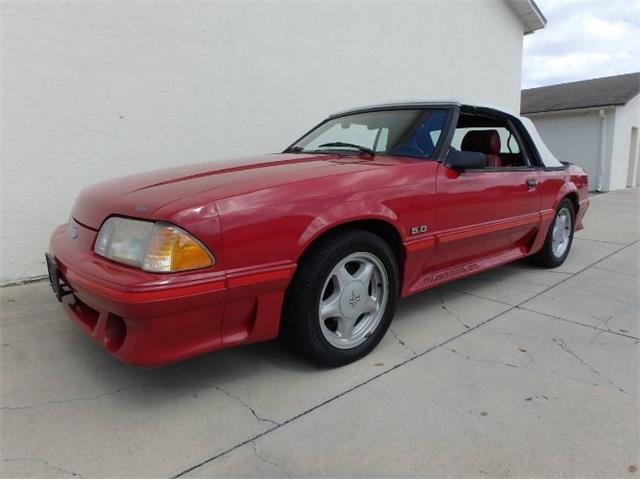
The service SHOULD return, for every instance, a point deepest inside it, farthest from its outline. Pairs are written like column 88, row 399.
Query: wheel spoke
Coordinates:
column 364, row 273
column 330, row 307
column 561, row 233
column 345, row 327
column 370, row 305
column 343, row 277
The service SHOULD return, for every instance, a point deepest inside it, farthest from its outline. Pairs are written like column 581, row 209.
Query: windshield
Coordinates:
column 407, row 133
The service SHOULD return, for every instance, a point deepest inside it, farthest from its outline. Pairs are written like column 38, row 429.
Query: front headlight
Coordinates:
column 153, row 247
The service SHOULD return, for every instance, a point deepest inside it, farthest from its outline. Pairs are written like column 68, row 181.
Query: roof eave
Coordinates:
column 584, row 109
column 530, row 15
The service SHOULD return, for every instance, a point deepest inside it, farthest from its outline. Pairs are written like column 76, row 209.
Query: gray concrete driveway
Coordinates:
column 515, row 372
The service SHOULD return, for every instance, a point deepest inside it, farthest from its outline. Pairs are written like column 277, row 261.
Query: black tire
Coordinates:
column 546, row 257
column 301, row 328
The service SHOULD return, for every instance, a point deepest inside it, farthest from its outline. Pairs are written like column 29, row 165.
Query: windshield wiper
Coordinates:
column 302, row 150
column 351, row 145
column 293, row 150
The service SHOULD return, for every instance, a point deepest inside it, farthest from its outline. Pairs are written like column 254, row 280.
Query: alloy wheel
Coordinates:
column 353, row 300
column 561, row 234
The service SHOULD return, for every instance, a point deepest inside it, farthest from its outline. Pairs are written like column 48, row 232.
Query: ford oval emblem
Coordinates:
column 74, row 232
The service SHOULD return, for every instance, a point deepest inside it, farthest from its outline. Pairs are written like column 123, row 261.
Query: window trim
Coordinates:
column 521, row 168
column 513, row 128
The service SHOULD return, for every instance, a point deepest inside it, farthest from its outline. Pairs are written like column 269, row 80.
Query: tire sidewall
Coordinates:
column 560, row 260
column 371, row 244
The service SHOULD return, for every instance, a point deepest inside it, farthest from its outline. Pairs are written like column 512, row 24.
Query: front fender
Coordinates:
column 345, row 213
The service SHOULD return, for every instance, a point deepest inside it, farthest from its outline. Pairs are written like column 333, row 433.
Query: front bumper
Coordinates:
column 149, row 319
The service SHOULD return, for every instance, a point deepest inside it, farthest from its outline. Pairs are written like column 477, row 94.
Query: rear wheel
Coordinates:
column 342, row 298
column 559, row 238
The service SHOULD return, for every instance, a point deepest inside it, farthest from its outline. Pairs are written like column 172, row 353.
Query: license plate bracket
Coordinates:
column 60, row 289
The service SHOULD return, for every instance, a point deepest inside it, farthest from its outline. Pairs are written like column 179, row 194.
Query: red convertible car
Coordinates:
column 314, row 244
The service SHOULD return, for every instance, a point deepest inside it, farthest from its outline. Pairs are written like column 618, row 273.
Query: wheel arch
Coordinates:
column 567, row 191
column 381, row 227
column 573, row 196
column 570, row 191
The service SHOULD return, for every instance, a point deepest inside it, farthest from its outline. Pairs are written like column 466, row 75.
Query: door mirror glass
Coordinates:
column 465, row 160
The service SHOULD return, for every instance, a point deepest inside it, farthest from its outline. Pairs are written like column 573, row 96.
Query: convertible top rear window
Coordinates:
column 410, row 133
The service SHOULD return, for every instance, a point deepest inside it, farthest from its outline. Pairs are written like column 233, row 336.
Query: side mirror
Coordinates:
column 465, row 160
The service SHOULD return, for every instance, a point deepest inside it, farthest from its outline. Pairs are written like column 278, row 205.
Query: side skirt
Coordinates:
column 456, row 272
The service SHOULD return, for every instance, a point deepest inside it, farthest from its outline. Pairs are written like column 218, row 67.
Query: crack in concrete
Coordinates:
column 482, row 360
column 72, row 399
column 501, row 302
column 44, row 462
column 563, row 345
column 443, row 305
column 239, row 400
column 603, row 321
column 194, row 386
column 277, row 465
column 533, row 370
column 402, row 342
column 106, row 394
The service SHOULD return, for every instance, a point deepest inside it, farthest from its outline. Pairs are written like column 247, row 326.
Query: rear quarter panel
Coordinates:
column 555, row 184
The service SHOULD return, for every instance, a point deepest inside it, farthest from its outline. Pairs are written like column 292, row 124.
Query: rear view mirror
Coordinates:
column 465, row 160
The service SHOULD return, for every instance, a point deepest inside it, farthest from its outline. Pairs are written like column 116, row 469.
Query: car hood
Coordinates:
column 141, row 195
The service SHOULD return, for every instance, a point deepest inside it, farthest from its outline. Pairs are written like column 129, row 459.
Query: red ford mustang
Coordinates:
column 315, row 244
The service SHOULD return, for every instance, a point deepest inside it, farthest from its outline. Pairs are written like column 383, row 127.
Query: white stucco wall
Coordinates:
column 92, row 90
column 627, row 117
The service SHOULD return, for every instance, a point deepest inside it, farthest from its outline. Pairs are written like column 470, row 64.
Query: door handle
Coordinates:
column 532, row 183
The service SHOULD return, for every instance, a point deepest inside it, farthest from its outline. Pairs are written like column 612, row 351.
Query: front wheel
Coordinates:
column 559, row 238
column 342, row 298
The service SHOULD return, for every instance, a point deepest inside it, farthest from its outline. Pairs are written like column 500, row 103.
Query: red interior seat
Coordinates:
column 484, row 141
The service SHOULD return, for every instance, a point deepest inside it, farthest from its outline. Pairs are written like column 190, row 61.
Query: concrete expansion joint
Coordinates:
column 598, row 329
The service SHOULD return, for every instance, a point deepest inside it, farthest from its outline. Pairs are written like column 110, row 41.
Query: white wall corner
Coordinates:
column 529, row 14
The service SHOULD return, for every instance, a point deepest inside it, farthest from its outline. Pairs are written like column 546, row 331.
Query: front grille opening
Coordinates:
column 115, row 332
column 85, row 313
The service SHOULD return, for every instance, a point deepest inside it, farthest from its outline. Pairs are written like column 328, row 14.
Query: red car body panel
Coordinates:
column 258, row 216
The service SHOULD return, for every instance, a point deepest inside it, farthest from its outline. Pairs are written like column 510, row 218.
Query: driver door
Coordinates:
column 490, row 210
